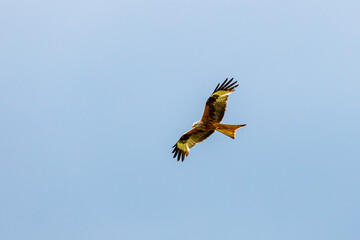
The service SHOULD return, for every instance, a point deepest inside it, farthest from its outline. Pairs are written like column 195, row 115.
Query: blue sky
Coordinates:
column 93, row 94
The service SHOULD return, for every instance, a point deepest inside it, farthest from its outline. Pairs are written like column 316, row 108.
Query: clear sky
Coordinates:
column 93, row 94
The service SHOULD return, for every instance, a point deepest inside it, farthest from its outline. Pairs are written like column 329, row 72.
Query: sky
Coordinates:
column 93, row 95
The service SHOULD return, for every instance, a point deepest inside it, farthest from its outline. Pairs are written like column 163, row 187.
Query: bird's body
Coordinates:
column 213, row 114
column 205, row 125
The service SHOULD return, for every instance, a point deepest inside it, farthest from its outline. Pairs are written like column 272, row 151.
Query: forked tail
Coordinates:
column 229, row 130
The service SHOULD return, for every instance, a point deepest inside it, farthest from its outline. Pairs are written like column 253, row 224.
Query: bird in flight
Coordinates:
column 213, row 114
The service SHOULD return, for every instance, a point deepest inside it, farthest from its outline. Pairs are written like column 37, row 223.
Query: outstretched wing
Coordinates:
column 188, row 140
column 216, row 104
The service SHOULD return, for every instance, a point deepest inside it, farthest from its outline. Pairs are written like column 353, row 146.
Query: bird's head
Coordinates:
column 196, row 124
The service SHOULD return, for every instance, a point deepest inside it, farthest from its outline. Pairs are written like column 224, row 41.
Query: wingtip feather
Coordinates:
column 227, row 85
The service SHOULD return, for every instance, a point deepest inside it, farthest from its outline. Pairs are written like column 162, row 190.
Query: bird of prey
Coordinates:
column 213, row 114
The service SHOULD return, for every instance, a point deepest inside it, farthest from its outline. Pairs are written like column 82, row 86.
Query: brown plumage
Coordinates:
column 213, row 114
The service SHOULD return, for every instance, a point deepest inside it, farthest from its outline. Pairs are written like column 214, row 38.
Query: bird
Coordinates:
column 210, row 121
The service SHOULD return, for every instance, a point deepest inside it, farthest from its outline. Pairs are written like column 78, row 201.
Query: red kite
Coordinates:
column 213, row 114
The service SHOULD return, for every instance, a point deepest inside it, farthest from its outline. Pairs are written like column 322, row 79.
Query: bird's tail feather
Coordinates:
column 229, row 130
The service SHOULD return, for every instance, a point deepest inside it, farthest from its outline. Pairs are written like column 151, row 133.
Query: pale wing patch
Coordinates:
column 184, row 147
column 222, row 93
